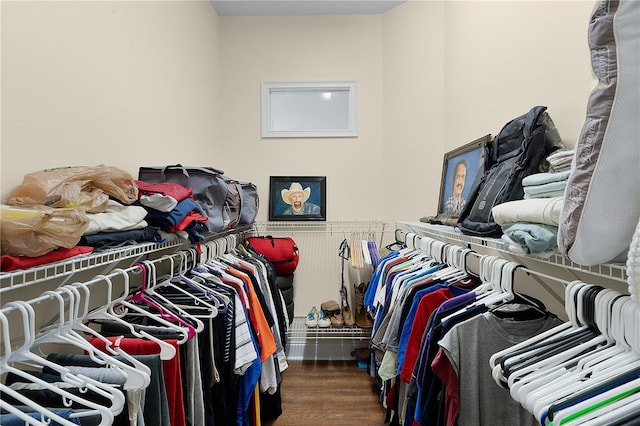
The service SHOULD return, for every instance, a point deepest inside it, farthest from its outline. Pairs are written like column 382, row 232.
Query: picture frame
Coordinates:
column 298, row 198
column 469, row 157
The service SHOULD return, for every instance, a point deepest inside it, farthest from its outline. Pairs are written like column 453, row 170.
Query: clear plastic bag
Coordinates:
column 87, row 188
column 39, row 230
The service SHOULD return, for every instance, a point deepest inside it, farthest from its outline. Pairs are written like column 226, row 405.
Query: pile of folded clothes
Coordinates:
column 171, row 208
column 560, row 160
column 545, row 185
column 530, row 226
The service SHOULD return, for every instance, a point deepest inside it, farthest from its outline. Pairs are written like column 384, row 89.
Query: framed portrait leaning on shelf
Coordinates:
column 297, row 198
column 460, row 168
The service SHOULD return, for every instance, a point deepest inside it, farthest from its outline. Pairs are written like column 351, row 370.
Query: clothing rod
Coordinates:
column 175, row 258
column 94, row 281
column 528, row 271
column 402, row 235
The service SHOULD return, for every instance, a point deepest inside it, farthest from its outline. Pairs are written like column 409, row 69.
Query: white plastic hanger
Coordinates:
column 562, row 328
column 611, row 395
column 25, row 356
column 138, row 374
column 545, row 361
column 204, row 298
column 167, row 351
column 621, row 407
column 163, row 316
column 591, row 376
column 46, row 414
column 61, row 332
column 610, row 412
column 167, row 319
column 169, row 307
column 28, row 420
column 105, row 390
column 533, row 379
column 489, row 274
column 522, row 390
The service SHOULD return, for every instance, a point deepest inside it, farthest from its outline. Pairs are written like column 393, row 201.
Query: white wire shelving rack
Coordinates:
column 610, row 271
column 373, row 230
column 97, row 263
column 299, row 331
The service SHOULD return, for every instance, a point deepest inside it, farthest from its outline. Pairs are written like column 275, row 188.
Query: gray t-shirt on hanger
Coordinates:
column 469, row 346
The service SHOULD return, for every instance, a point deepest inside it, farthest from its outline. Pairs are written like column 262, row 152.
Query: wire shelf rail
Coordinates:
column 613, row 271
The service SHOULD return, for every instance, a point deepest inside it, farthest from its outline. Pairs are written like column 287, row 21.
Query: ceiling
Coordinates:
column 302, row 7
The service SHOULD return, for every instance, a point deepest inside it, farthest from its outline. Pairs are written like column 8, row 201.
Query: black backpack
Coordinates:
column 516, row 152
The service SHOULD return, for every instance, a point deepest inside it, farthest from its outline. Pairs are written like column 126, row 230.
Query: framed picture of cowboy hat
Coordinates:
column 296, row 198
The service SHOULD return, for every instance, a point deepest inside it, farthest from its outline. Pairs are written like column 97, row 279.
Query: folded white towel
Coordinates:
column 561, row 153
column 117, row 217
column 534, row 210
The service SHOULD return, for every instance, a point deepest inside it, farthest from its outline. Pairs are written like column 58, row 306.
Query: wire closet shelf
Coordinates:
column 613, row 271
column 103, row 261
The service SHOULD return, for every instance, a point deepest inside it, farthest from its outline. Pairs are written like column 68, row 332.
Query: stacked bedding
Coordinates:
column 530, row 226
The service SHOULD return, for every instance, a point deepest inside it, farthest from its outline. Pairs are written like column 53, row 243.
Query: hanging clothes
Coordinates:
column 422, row 299
column 209, row 337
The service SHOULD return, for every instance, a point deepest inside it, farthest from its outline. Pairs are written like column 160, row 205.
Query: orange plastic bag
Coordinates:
column 82, row 187
column 39, row 230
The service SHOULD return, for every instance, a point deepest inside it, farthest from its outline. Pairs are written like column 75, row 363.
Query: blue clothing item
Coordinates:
column 110, row 239
column 247, row 387
column 532, row 237
column 417, row 279
column 194, row 231
column 170, row 219
column 370, row 292
column 452, row 291
column 397, row 274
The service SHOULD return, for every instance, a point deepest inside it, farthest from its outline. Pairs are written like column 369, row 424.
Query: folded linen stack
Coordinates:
column 545, row 185
column 560, row 160
column 119, row 224
column 530, row 226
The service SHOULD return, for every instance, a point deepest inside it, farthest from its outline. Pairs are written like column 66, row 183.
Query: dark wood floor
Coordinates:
column 329, row 392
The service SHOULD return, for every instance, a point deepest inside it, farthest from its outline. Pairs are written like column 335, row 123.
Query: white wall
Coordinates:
column 159, row 82
column 414, row 108
column 126, row 84
column 458, row 70
column 319, row 48
column 504, row 57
